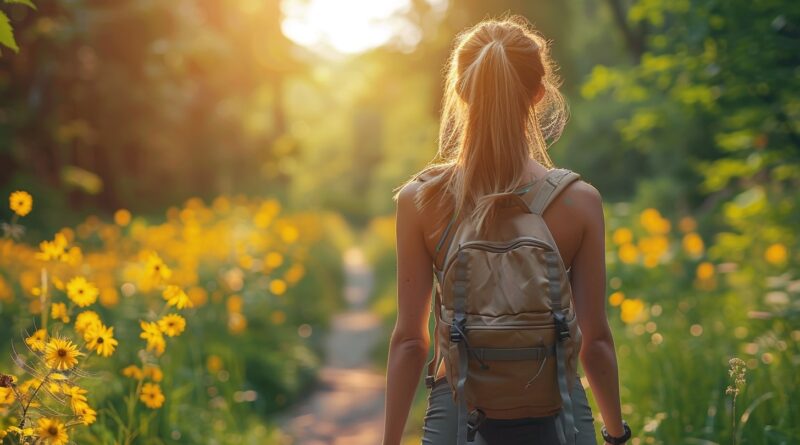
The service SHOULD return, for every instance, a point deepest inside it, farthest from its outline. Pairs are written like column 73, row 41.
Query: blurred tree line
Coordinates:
column 140, row 103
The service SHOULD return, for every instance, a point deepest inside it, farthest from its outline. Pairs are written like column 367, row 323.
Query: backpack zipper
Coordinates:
column 495, row 246
column 500, row 246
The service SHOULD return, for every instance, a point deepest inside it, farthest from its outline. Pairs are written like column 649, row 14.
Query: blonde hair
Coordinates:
column 490, row 125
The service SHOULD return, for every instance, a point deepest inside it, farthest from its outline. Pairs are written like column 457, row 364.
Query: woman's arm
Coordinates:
column 589, row 291
column 410, row 339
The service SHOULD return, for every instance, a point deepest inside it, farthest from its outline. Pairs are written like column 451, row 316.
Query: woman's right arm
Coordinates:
column 597, row 352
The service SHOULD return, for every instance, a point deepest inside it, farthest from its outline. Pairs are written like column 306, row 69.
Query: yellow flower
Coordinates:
column 82, row 292
column 693, row 244
column 234, row 303
column 628, row 253
column 151, row 395
column 273, row 260
column 52, row 431
column 59, row 311
column 87, row 414
column 6, row 396
column 133, row 372
column 277, row 286
column 100, row 338
column 53, row 250
column 156, row 267
column 687, row 224
column 21, row 202
column 152, row 333
column 26, row 432
column 289, row 234
column 153, row 373
column 172, row 324
column 86, row 320
column 294, row 273
column 653, row 222
column 37, row 340
column 632, row 310
column 705, row 270
column 213, row 363
column 77, row 396
column 616, row 298
column 61, row 354
column 175, row 296
column 776, row 254
column 122, row 217
column 623, row 235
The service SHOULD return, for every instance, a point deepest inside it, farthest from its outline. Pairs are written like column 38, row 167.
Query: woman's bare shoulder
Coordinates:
column 585, row 199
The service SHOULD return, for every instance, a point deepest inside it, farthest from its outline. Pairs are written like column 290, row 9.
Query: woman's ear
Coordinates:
column 539, row 94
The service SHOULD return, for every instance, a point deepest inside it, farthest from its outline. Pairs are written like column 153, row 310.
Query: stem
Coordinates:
column 43, row 299
column 33, row 396
column 733, row 419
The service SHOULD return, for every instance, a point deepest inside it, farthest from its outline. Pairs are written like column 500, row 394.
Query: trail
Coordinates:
column 348, row 405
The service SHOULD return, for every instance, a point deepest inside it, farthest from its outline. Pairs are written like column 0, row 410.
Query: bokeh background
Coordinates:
column 251, row 147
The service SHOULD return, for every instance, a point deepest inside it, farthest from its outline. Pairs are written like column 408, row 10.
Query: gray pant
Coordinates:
column 440, row 426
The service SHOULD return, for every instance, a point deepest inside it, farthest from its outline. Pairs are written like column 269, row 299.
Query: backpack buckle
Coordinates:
column 474, row 420
column 562, row 329
column 457, row 330
column 429, row 380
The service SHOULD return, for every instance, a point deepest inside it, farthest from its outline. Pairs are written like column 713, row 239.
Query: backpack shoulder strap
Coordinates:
column 555, row 181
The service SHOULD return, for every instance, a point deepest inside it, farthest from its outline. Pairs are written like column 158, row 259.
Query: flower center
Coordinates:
column 62, row 352
column 53, row 430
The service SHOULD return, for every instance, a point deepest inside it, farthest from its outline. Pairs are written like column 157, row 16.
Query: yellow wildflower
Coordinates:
column 22, row 432
column 133, row 372
column 693, row 244
column 82, row 292
column 628, row 253
column 278, row 317
column 52, row 431
column 776, row 254
column 122, row 217
column 86, row 320
column 53, row 250
column 21, row 202
column 616, row 298
column 234, row 303
column 100, row 338
column 153, row 373
column 6, row 396
column 61, row 354
column 58, row 311
column 87, row 414
column 213, row 363
column 172, row 324
column 151, row 395
column 37, row 340
column 623, row 235
column 175, row 296
column 156, row 267
column 77, row 396
column 632, row 310
column 273, row 260
column 705, row 270
column 294, row 273
column 687, row 224
column 653, row 222
column 277, row 286
column 152, row 333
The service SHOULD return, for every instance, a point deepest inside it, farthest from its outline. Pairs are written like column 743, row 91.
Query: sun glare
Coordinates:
column 350, row 26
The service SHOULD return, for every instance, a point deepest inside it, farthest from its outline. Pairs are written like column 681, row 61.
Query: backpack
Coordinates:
column 505, row 322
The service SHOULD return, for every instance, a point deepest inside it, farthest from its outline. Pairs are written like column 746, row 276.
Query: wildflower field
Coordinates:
column 197, row 231
column 119, row 330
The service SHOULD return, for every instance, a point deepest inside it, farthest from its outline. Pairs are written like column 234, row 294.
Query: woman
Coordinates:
column 500, row 104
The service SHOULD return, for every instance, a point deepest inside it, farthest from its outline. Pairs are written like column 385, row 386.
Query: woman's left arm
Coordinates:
column 410, row 339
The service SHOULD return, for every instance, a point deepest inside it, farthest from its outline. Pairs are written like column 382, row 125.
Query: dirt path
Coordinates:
column 348, row 406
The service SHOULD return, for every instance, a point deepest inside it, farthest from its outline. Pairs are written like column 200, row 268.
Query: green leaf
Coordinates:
column 27, row 3
column 7, row 33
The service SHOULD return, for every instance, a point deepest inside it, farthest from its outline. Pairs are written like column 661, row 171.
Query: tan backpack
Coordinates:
column 505, row 323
